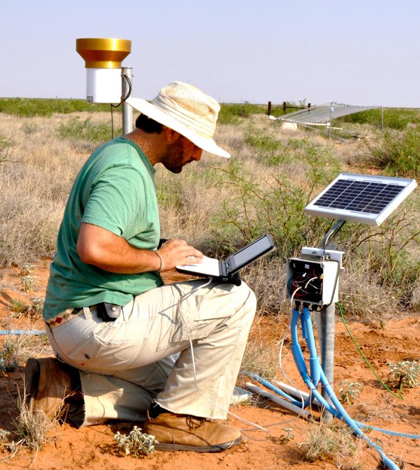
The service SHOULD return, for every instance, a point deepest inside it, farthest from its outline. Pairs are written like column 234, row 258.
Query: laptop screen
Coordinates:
column 249, row 253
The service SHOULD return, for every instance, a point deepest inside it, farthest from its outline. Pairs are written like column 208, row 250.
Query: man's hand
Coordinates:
column 105, row 250
column 178, row 253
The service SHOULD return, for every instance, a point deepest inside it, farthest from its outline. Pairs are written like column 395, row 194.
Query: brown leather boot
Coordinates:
column 184, row 432
column 47, row 384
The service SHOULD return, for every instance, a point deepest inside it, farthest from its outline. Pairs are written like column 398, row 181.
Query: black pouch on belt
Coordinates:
column 108, row 312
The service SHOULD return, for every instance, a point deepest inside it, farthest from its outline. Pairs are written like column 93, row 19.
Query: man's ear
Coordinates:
column 171, row 135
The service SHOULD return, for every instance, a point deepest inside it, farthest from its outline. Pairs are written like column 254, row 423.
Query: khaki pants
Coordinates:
column 145, row 354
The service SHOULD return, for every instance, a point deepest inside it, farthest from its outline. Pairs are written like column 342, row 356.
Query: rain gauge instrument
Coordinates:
column 106, row 80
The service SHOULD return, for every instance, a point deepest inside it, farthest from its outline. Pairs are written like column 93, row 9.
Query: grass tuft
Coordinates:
column 32, row 429
column 331, row 444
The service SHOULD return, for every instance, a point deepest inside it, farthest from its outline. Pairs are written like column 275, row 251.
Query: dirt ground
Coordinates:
column 280, row 446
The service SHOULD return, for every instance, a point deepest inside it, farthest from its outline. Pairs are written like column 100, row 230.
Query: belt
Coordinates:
column 67, row 315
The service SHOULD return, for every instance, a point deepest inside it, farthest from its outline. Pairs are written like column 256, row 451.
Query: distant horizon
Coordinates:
column 223, row 102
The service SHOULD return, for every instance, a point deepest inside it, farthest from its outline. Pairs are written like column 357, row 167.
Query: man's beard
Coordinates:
column 174, row 157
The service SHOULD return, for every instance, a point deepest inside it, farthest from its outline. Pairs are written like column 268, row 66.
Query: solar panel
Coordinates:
column 361, row 198
column 323, row 113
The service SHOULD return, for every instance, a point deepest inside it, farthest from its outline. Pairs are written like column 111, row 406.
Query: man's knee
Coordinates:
column 247, row 298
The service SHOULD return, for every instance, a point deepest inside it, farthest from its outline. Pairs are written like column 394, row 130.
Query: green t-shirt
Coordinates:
column 114, row 190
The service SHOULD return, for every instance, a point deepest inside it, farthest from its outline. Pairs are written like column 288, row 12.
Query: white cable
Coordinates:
column 249, row 423
column 194, row 368
column 293, row 295
column 310, row 280
column 214, row 404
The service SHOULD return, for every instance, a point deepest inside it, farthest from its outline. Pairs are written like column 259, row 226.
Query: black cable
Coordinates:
column 112, row 123
column 123, row 99
column 128, row 94
column 127, row 79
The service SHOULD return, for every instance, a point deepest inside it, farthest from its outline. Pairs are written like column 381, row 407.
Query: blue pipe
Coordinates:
column 22, row 332
column 386, row 431
column 296, row 350
column 339, row 411
column 346, row 418
column 314, row 363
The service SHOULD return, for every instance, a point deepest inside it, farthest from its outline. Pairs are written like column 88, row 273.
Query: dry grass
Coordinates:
column 205, row 204
column 32, row 429
column 334, row 444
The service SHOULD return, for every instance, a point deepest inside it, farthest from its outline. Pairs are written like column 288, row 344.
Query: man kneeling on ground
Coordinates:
column 127, row 346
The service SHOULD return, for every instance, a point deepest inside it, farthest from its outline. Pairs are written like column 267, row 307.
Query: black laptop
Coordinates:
column 227, row 271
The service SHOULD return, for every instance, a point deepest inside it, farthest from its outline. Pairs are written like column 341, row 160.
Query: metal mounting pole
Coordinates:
column 127, row 110
column 328, row 352
column 327, row 329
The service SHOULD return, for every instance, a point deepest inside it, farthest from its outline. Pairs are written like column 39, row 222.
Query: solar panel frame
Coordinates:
column 361, row 198
column 324, row 113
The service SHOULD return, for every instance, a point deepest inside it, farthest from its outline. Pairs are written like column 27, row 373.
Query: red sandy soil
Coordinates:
column 94, row 448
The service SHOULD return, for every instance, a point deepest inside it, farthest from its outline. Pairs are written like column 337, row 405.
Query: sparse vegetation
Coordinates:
column 26, row 269
column 32, row 428
column 349, row 391
column 30, row 107
column 9, row 356
column 5, row 149
column 261, row 360
column 18, row 307
column 29, row 283
column 263, row 188
column 86, row 130
column 335, row 444
column 217, row 205
column 404, row 374
column 395, row 154
column 137, row 443
column 287, row 436
column 36, row 308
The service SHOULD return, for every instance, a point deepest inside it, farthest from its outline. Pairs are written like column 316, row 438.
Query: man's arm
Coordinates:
column 105, row 250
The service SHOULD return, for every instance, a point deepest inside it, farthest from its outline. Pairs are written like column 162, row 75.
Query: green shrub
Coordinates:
column 9, row 356
column 387, row 255
column 349, row 391
column 396, row 155
column 275, row 205
column 137, row 443
column 5, row 148
column 261, row 141
column 86, row 130
column 393, row 118
column 235, row 113
column 29, row 107
column 404, row 374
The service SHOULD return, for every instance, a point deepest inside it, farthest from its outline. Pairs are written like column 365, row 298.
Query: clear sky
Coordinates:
column 362, row 52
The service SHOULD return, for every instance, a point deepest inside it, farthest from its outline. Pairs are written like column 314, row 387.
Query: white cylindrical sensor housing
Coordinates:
column 103, row 85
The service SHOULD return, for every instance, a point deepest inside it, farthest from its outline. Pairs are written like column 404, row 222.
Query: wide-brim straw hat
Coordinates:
column 187, row 110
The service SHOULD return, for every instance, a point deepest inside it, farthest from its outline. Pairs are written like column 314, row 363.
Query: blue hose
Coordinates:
column 386, row 431
column 346, row 418
column 336, row 409
column 22, row 332
column 314, row 364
